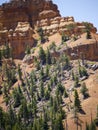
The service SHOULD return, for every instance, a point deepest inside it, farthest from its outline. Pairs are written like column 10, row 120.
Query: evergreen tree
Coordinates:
column 42, row 92
column 24, row 111
column 42, row 55
column 12, row 116
column 92, row 126
column 65, row 93
column 48, row 57
column 87, row 126
column 47, row 70
column 19, row 72
column 52, row 46
column 58, row 123
column 88, row 35
column 7, row 51
column 84, row 90
column 41, row 34
column 73, row 76
column 0, row 58
column 76, row 83
column 77, row 103
column 28, row 51
column 1, row 118
column 60, row 88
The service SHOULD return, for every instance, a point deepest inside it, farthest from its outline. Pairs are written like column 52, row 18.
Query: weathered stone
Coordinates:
column 26, row 10
column 19, row 19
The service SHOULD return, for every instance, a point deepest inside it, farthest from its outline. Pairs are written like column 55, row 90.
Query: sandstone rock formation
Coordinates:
column 66, row 25
column 19, row 19
column 18, row 38
column 82, row 48
column 26, row 10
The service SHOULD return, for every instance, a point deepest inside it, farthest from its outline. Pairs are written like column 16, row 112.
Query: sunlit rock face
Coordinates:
column 26, row 10
column 19, row 19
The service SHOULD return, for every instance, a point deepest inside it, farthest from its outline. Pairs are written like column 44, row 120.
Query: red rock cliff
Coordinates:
column 26, row 11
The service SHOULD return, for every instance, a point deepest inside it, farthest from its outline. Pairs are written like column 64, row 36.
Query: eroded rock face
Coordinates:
column 20, row 18
column 60, row 24
column 17, row 21
column 18, row 38
column 26, row 10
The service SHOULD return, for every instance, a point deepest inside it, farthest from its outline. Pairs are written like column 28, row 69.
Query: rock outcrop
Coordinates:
column 19, row 19
column 18, row 38
column 26, row 10
column 82, row 49
column 66, row 25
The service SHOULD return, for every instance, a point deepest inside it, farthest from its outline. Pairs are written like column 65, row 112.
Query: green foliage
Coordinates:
column 76, row 83
column 82, row 71
column 77, row 103
column 88, row 35
column 47, row 94
column 65, row 93
column 92, row 126
column 88, row 26
column 42, row 55
column 18, row 96
column 58, row 123
column 52, row 46
column 41, row 34
column 64, row 38
column 24, row 110
column 71, row 28
column 19, row 72
column 28, row 50
column 47, row 70
column 65, row 62
column 84, row 90
column 96, row 119
column 60, row 88
column 73, row 76
column 6, row 52
column 75, row 38
column 48, row 57
column 42, row 92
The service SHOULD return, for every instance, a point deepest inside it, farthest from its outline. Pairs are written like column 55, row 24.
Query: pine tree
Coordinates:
column 42, row 55
column 48, row 57
column 88, row 35
column 84, row 90
column 77, row 103
column 41, row 34
column 42, row 92
column 65, row 93
column 92, row 126
column 73, row 76
column 47, row 70
column 12, row 117
column 24, row 110
column 28, row 51
column 1, row 118
column 76, row 83
column 87, row 126
column 19, row 72
column 58, row 123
